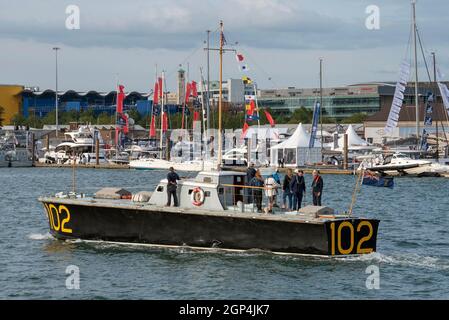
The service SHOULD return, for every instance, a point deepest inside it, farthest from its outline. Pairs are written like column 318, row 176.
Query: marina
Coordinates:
column 233, row 187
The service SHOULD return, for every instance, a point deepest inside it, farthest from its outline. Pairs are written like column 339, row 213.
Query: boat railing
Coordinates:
column 250, row 199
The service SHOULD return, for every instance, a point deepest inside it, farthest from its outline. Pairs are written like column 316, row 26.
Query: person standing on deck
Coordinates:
column 317, row 188
column 297, row 188
column 258, row 183
column 271, row 186
column 286, row 193
column 172, row 186
column 250, row 173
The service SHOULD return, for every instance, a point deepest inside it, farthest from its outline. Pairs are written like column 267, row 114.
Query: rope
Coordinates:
column 358, row 185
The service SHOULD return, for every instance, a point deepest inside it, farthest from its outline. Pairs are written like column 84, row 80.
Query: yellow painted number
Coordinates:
column 336, row 239
column 52, row 211
column 366, row 238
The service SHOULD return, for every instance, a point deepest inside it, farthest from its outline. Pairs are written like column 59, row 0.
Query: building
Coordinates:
column 406, row 128
column 338, row 103
column 10, row 101
column 180, row 98
column 234, row 91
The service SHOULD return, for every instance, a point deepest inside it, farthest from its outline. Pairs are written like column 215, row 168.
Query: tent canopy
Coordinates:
column 353, row 139
column 299, row 139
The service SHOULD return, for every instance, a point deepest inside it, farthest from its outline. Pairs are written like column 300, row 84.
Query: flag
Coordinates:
column 153, row 127
column 120, row 98
column 251, row 108
column 188, row 91
column 244, row 68
column 164, row 122
column 239, row 57
column 156, row 94
column 196, row 117
column 246, row 80
column 269, row 118
column 194, row 89
column 244, row 130
column 159, row 80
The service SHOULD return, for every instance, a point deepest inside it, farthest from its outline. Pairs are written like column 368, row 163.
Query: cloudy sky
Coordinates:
column 282, row 41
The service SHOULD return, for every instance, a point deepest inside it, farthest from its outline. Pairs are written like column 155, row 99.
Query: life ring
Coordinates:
column 197, row 196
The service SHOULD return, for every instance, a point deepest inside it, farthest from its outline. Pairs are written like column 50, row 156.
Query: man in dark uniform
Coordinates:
column 172, row 185
column 250, row 173
column 317, row 188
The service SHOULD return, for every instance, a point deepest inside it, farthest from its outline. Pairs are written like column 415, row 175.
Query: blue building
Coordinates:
column 39, row 103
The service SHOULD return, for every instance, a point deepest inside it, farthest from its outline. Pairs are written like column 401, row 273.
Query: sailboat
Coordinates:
column 154, row 163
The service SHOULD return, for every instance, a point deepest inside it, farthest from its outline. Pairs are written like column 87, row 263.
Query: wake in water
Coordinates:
column 406, row 260
column 40, row 236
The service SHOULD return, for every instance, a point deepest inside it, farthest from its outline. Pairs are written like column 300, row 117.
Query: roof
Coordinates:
column 299, row 139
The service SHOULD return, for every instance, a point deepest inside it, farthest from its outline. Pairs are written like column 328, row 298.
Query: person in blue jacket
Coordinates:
column 297, row 188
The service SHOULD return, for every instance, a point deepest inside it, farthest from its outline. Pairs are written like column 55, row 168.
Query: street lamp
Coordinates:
column 56, row 93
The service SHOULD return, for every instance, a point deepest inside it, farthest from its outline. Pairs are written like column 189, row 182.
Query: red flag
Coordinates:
column 153, row 127
column 120, row 98
column 239, row 57
column 252, row 107
column 160, row 87
column 188, row 92
column 117, row 130
column 269, row 118
column 194, row 89
column 164, row 122
column 126, row 128
column 156, row 94
column 196, row 117
column 245, row 128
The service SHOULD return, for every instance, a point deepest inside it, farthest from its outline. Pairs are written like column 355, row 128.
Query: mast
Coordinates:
column 435, row 101
column 321, row 106
column 220, row 96
column 162, row 115
column 416, row 72
column 208, row 81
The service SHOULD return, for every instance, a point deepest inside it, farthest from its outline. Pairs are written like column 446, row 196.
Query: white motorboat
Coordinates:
column 15, row 149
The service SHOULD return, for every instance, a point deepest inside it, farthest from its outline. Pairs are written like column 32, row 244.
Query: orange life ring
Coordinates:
column 197, row 196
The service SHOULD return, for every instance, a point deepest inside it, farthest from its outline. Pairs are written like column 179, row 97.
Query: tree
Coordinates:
column 301, row 115
column 356, row 118
column 18, row 120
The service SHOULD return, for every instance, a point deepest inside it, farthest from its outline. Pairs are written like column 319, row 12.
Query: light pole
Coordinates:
column 56, row 93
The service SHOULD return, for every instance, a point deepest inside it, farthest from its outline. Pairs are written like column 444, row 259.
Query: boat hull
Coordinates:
column 225, row 231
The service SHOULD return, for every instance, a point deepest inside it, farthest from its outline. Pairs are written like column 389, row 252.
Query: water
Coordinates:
column 412, row 257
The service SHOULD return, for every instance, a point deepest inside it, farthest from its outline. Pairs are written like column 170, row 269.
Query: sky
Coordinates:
column 281, row 40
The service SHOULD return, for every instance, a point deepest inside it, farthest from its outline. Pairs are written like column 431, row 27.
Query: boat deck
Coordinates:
column 280, row 215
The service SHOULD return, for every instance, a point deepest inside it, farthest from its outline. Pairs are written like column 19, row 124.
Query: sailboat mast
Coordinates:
column 220, row 95
column 162, row 115
column 435, row 99
column 321, row 106
column 416, row 71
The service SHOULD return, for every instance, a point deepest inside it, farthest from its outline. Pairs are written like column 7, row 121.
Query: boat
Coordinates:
column 376, row 179
column 216, row 212
column 161, row 164
column 399, row 164
column 15, row 149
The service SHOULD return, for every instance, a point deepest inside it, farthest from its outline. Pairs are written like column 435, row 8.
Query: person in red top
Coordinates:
column 317, row 188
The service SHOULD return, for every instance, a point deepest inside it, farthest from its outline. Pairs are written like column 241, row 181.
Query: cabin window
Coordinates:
column 190, row 191
column 220, row 190
column 160, row 189
column 207, row 180
column 207, row 193
column 238, row 179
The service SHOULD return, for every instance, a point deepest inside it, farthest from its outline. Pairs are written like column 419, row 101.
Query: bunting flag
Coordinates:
column 159, row 80
column 269, row 118
column 239, row 57
column 153, row 127
column 164, row 122
column 316, row 116
column 246, row 80
column 120, row 98
column 250, row 108
column 156, row 94
column 244, row 68
column 398, row 99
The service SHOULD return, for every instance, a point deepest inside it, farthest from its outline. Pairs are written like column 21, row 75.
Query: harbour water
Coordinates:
column 412, row 257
